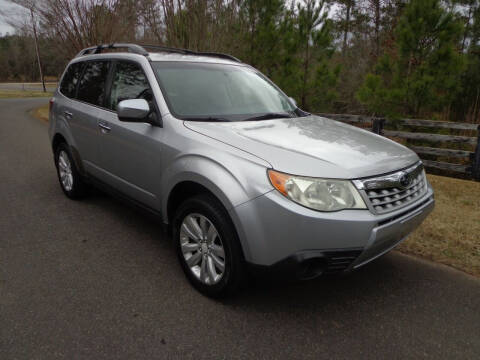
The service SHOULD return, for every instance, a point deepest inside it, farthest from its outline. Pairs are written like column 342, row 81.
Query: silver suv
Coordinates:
column 244, row 179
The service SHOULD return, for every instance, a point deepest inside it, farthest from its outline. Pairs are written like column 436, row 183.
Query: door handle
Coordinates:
column 105, row 128
column 68, row 114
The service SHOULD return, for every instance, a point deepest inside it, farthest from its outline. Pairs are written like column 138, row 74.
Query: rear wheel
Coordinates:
column 208, row 247
column 70, row 179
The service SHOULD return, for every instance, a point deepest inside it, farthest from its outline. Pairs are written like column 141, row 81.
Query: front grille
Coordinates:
column 389, row 199
column 339, row 261
column 391, row 192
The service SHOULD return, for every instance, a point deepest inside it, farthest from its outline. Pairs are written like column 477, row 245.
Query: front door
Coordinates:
column 130, row 153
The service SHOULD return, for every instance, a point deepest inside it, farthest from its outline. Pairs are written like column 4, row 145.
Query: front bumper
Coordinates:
column 389, row 234
column 278, row 234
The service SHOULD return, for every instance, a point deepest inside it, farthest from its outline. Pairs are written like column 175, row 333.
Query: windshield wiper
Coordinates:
column 269, row 116
column 208, row 118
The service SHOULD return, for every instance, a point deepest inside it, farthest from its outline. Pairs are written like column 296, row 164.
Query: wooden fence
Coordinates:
column 472, row 166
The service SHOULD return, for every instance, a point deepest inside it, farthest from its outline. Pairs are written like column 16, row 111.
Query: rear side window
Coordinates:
column 129, row 82
column 70, row 79
column 92, row 85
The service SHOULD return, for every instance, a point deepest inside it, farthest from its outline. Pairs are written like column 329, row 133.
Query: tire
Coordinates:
column 198, row 250
column 69, row 177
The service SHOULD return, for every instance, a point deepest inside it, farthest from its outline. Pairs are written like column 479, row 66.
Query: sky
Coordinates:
column 4, row 27
column 8, row 6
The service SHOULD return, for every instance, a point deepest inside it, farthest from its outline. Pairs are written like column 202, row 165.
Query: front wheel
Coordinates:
column 208, row 247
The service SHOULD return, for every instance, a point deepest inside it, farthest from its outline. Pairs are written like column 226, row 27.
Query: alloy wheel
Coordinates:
column 202, row 248
column 65, row 171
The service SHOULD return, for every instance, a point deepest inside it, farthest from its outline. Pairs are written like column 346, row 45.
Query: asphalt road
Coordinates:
column 96, row 279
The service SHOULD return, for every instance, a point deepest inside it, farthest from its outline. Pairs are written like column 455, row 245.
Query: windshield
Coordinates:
column 219, row 92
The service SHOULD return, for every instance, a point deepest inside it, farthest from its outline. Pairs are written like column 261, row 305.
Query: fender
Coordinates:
column 62, row 128
column 226, row 183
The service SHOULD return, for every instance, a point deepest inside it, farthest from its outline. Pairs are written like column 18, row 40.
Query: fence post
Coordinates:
column 377, row 126
column 476, row 158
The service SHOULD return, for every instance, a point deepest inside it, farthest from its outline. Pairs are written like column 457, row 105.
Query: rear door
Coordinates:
column 83, row 113
column 131, row 152
column 71, row 119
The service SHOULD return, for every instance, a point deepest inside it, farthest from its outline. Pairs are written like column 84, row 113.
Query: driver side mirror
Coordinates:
column 133, row 110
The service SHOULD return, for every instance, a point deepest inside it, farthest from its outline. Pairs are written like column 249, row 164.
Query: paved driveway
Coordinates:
column 96, row 279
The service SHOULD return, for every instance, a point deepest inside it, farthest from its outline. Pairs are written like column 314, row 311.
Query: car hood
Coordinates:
column 312, row 146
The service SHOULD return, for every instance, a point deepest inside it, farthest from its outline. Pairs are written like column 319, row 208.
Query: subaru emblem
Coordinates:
column 405, row 180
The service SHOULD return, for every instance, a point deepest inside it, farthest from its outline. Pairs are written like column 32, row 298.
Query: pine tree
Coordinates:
column 424, row 70
column 466, row 106
column 317, row 79
column 287, row 73
column 263, row 38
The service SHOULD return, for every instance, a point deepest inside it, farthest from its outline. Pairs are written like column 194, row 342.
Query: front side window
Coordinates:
column 69, row 82
column 224, row 92
column 92, row 85
column 129, row 82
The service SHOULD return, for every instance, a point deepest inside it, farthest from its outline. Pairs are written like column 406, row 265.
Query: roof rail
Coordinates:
column 140, row 49
column 190, row 52
column 133, row 48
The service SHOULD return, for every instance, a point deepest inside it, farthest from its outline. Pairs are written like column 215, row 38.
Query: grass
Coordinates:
column 41, row 112
column 451, row 234
column 7, row 94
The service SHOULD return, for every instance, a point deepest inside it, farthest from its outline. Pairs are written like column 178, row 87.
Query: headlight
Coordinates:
column 318, row 194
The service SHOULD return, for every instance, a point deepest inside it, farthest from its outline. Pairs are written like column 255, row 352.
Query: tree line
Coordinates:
column 415, row 58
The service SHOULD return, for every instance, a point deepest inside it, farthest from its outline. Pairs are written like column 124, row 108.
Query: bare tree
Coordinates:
column 30, row 6
column 376, row 5
column 34, row 27
column 76, row 24
column 348, row 9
